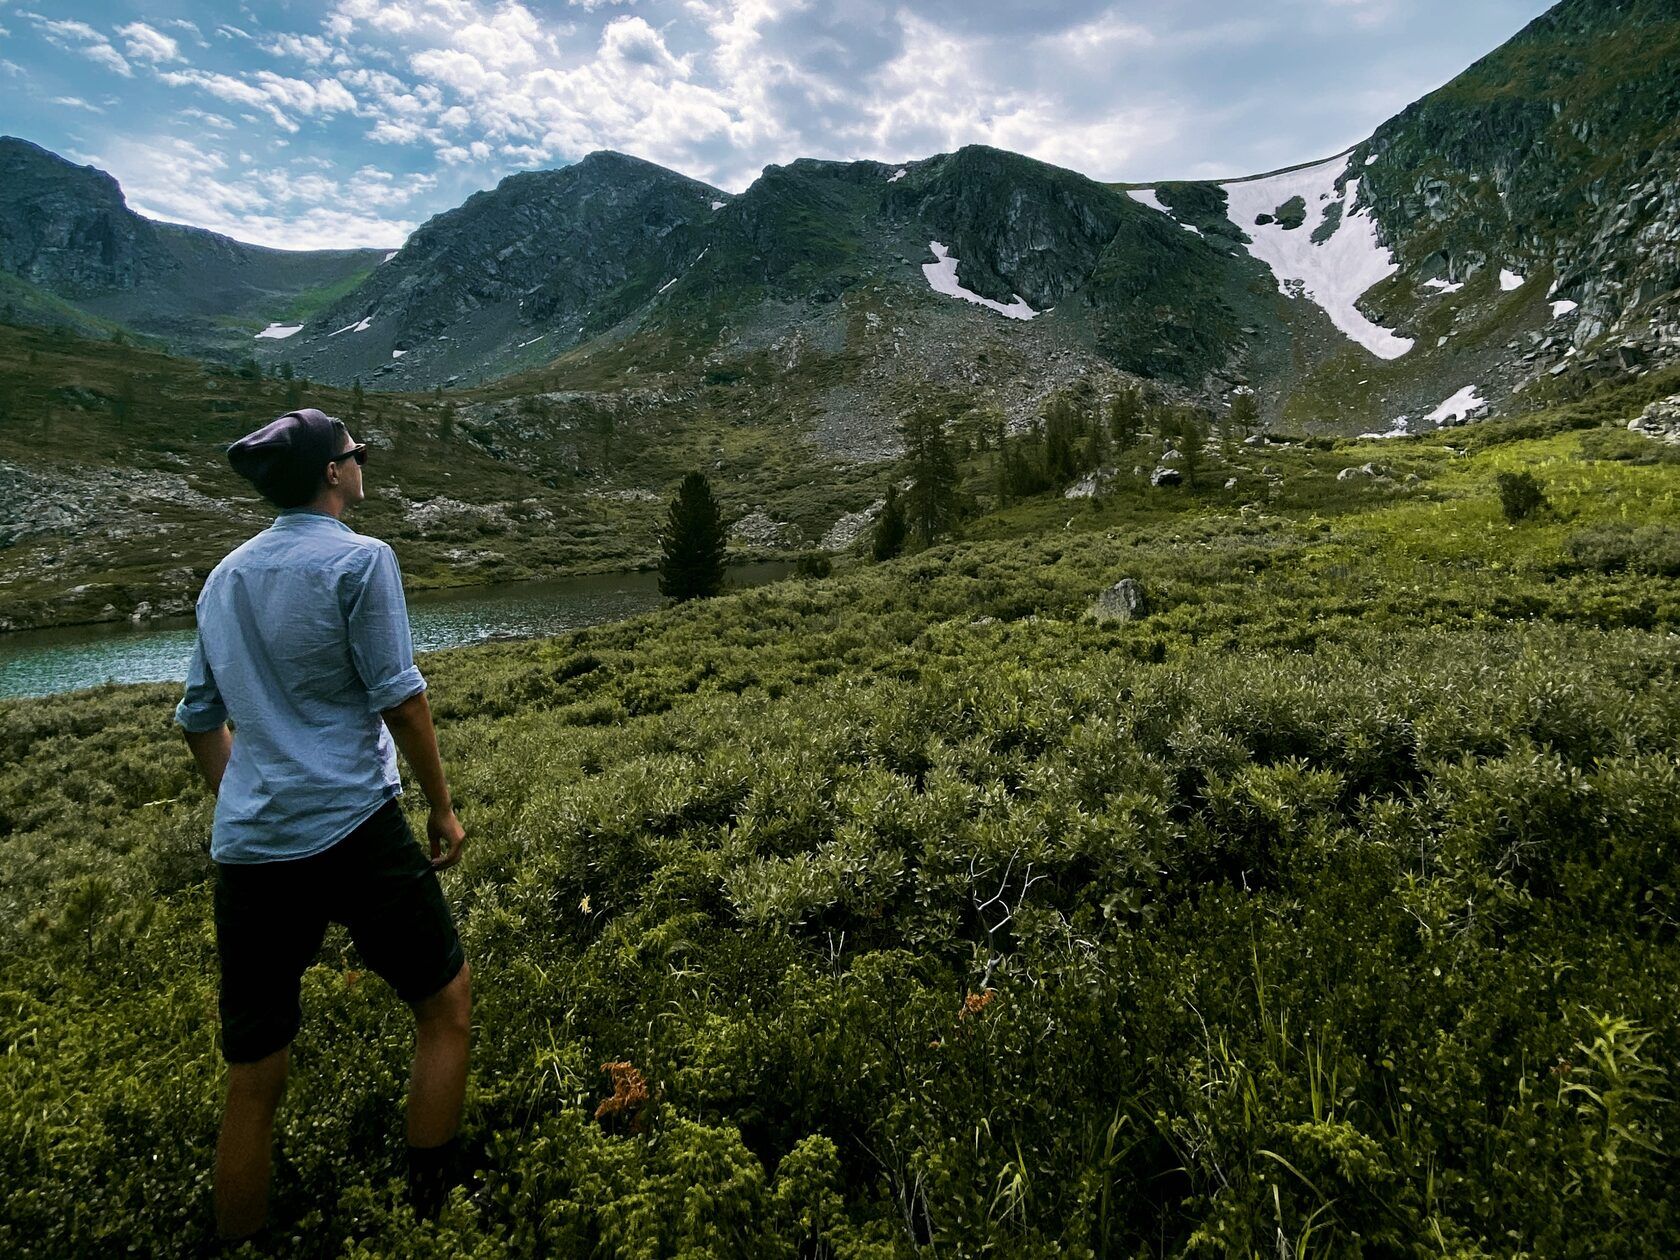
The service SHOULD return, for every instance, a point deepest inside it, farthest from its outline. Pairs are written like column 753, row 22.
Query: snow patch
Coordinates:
column 942, row 278
column 1146, row 196
column 358, row 327
column 279, row 332
column 897, row 175
column 531, row 342
column 1398, row 427
column 1370, row 158
column 668, row 283
column 1459, row 404
column 397, row 354
column 1333, row 274
column 1509, row 280
column 1563, row 307
column 1446, row 286
column 719, row 205
column 388, row 257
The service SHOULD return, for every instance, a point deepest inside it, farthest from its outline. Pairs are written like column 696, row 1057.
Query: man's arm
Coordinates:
column 211, row 749
column 202, row 716
column 411, row 726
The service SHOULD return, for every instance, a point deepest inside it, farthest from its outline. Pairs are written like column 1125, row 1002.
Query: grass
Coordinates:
column 1331, row 901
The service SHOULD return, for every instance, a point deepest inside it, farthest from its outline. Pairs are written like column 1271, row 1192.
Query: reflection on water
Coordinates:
column 40, row 662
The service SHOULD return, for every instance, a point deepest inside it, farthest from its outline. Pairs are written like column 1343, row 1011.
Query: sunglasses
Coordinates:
column 357, row 452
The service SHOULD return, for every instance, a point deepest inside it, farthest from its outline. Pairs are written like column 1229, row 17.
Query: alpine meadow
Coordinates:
column 1208, row 784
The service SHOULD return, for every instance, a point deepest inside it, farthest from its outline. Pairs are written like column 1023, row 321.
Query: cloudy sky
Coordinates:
column 325, row 123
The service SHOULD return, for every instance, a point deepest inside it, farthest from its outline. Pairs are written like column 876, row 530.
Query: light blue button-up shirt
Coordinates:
column 303, row 641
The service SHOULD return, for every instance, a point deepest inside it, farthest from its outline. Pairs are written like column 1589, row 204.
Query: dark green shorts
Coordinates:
column 271, row 916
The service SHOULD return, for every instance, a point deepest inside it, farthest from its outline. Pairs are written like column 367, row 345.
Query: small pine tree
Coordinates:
column 932, row 501
column 446, row 425
column 1245, row 411
column 1125, row 419
column 891, row 529
column 692, row 544
column 1063, row 430
column 357, row 398
column 1191, row 440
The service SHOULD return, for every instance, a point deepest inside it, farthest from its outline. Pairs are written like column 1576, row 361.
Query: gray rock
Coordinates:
column 1124, row 601
column 1166, row 477
column 1364, row 470
column 1660, row 421
column 758, row 529
column 845, row 531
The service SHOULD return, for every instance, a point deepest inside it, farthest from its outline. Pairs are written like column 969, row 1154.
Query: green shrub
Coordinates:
column 1520, row 495
column 1615, row 547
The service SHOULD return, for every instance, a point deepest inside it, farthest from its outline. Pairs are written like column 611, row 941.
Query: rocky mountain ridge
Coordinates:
column 72, row 248
column 1515, row 232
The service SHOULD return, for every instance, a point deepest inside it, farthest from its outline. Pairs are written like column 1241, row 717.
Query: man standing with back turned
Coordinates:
column 303, row 642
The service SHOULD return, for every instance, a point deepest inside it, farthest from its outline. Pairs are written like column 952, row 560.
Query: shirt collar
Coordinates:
column 304, row 516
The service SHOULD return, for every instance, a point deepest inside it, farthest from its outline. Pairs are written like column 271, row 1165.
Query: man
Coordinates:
column 303, row 642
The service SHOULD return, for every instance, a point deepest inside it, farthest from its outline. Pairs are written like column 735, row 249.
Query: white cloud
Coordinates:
column 181, row 24
column 311, row 48
column 79, row 37
column 207, row 118
column 272, row 93
column 144, row 43
column 76, row 102
column 172, row 179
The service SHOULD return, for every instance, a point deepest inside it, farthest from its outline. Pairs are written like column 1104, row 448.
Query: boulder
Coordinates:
column 1163, row 476
column 1660, row 421
column 1123, row 601
column 1364, row 470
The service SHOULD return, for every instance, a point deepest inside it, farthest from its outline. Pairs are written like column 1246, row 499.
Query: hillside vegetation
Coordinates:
column 1329, row 908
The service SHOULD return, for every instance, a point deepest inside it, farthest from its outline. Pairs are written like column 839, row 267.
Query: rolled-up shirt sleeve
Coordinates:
column 380, row 643
column 201, row 708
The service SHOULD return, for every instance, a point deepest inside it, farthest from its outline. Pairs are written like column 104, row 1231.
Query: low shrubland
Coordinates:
column 1329, row 908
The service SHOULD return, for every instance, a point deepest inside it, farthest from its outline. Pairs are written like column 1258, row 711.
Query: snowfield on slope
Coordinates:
column 942, row 278
column 1146, row 196
column 1333, row 274
column 1458, row 405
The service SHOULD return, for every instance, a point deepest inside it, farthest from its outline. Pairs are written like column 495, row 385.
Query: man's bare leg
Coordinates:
column 439, row 1079
column 244, row 1153
column 435, row 1092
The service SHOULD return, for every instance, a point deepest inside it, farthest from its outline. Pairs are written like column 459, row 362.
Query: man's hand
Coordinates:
column 411, row 727
column 443, row 829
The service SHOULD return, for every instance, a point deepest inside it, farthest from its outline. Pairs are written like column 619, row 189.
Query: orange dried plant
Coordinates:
column 629, row 1097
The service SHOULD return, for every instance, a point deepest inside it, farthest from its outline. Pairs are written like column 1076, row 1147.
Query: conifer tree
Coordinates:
column 692, row 543
column 891, row 528
column 931, row 504
column 1245, row 411
column 1190, row 440
column 1125, row 419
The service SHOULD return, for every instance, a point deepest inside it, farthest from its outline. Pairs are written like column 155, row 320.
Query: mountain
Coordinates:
column 1553, row 157
column 72, row 251
column 1510, row 238
column 543, row 260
